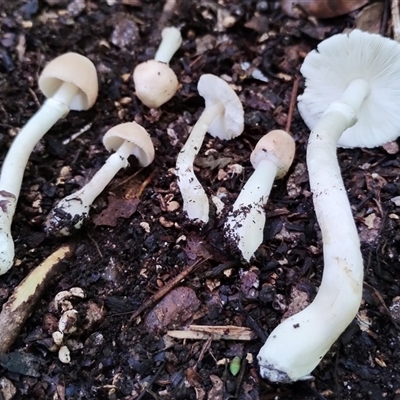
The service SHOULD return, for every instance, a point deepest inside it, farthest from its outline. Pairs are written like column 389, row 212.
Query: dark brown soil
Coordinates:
column 120, row 267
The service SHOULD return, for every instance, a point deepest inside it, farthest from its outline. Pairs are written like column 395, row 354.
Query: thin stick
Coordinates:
column 145, row 183
column 167, row 288
column 292, row 104
column 22, row 302
column 396, row 20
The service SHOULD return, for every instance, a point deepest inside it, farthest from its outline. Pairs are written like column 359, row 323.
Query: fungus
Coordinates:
column 351, row 99
column 155, row 82
column 70, row 83
column 222, row 118
column 271, row 159
column 126, row 139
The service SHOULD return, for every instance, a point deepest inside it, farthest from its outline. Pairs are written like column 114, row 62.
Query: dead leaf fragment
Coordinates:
column 173, row 310
column 217, row 391
column 117, row 208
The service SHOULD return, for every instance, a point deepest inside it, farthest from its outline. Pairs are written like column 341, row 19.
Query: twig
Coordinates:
column 167, row 288
column 96, row 245
column 35, row 99
column 145, row 183
column 396, row 20
column 22, row 302
column 292, row 104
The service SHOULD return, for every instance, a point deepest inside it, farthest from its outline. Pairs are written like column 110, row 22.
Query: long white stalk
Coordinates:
column 13, row 168
column 170, row 43
column 245, row 223
column 72, row 210
column 297, row 345
column 195, row 200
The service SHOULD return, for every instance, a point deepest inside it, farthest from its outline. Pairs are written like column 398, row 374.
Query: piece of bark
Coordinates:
column 22, row 302
column 204, row 332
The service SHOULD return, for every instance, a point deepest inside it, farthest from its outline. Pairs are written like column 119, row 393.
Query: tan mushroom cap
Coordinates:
column 230, row 123
column 72, row 68
column 277, row 146
column 133, row 133
column 155, row 83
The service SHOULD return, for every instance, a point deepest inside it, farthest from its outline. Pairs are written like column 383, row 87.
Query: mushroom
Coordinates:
column 155, row 82
column 126, row 139
column 271, row 159
column 351, row 99
column 222, row 118
column 70, row 83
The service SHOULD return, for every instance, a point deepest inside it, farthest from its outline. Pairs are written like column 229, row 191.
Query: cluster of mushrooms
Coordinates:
column 351, row 99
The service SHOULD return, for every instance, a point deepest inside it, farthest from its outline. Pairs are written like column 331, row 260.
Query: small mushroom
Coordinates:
column 351, row 99
column 70, row 83
column 222, row 118
column 155, row 82
column 271, row 159
column 126, row 139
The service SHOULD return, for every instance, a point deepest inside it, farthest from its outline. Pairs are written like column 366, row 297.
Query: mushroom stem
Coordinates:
column 298, row 344
column 259, row 185
column 76, row 206
column 13, row 168
column 246, row 221
column 195, row 201
column 170, row 43
column 66, row 92
column 355, row 93
column 17, row 157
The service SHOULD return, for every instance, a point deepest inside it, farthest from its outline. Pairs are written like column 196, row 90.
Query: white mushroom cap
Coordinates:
column 341, row 59
column 230, row 124
column 155, row 83
column 277, row 146
column 133, row 133
column 71, row 68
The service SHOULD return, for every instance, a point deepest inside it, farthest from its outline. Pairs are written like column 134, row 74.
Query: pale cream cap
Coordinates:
column 72, row 68
column 230, row 123
column 155, row 83
column 133, row 133
column 277, row 146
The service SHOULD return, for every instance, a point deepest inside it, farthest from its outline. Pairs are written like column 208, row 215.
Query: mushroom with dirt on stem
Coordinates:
column 223, row 117
column 155, row 81
column 351, row 99
column 125, row 139
column 70, row 83
column 271, row 159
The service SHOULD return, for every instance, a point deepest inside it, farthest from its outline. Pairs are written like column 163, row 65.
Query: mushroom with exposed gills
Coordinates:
column 155, row 82
column 351, row 99
column 125, row 139
column 223, row 117
column 271, row 159
column 70, row 83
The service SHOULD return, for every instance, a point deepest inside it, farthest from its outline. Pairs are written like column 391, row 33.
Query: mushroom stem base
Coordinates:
column 297, row 345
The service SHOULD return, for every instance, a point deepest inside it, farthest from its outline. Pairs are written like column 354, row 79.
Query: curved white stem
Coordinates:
column 297, row 345
column 195, row 201
column 245, row 223
column 13, row 168
column 170, row 43
column 72, row 210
